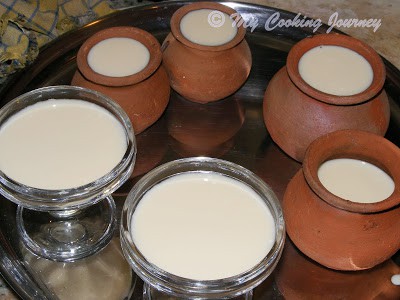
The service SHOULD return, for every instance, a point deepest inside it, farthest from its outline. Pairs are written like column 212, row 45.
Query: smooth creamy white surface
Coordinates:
column 336, row 70
column 59, row 144
column 195, row 26
column 355, row 180
column 118, row 57
column 203, row 226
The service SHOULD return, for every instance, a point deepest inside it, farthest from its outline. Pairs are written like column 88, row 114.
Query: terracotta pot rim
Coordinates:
column 149, row 41
column 336, row 39
column 181, row 12
column 355, row 144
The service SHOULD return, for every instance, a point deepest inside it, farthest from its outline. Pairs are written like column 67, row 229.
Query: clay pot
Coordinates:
column 143, row 95
column 205, row 73
column 296, row 114
column 335, row 232
column 203, row 130
column 298, row 277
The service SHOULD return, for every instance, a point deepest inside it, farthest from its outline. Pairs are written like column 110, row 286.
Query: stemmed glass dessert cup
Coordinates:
column 160, row 284
column 73, row 223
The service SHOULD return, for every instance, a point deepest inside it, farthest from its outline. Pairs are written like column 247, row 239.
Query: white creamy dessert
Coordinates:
column 202, row 27
column 61, row 144
column 203, row 226
column 355, row 180
column 335, row 70
column 118, row 57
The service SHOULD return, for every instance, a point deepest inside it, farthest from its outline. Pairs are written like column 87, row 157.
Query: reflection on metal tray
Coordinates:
column 250, row 146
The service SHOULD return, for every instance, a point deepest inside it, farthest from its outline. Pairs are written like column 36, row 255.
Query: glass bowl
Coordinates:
column 54, row 223
column 159, row 281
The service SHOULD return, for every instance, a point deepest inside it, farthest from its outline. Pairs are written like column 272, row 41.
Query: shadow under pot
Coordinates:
column 342, row 209
column 124, row 63
column 205, row 55
column 330, row 82
column 203, row 130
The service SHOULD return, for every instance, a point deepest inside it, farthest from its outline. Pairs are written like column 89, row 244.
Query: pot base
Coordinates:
column 336, row 238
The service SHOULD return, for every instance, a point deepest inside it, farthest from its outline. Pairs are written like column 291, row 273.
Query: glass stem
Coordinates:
column 65, row 214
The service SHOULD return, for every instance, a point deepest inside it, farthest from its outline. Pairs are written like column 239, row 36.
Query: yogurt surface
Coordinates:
column 203, row 226
column 335, row 70
column 118, row 57
column 61, row 144
column 208, row 27
column 355, row 180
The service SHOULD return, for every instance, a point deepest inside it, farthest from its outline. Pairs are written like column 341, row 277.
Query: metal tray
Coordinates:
column 250, row 147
